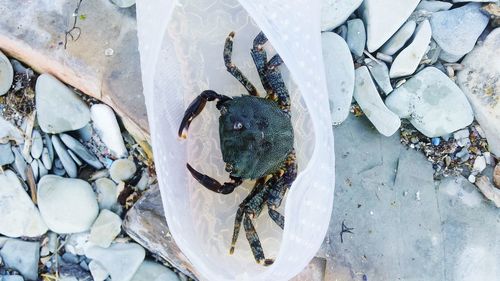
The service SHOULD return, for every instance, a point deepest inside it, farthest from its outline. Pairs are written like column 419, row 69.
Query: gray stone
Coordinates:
column 122, row 170
column 434, row 6
column 80, row 150
column 106, row 125
column 399, row 39
column 67, row 205
column 59, row 109
column 22, row 256
column 480, row 81
column 66, row 160
column 36, row 144
column 339, row 72
column 366, row 94
column 98, row 272
column 152, row 271
column 120, row 260
column 457, row 30
column 19, row 216
column 408, row 59
column 9, row 132
column 432, row 103
column 74, row 157
column 335, row 12
column 12, row 278
column 380, row 73
column 107, row 193
column 383, row 18
column 6, row 155
column 47, row 162
column 105, row 228
column 356, row 36
column 124, row 3
column 19, row 163
column 6, row 74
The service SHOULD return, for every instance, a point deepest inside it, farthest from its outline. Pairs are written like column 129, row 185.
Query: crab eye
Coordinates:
column 237, row 126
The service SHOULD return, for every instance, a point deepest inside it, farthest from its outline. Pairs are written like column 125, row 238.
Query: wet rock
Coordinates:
column 6, row 74
column 152, row 271
column 19, row 163
column 408, row 59
column 335, row 12
column 9, row 132
column 122, row 170
column 105, row 228
column 383, row 18
column 432, row 102
column 339, row 71
column 59, row 109
column 457, row 30
column 6, row 155
column 398, row 40
column 67, row 205
column 356, row 36
column 380, row 74
column 66, row 160
column 120, row 260
column 18, row 215
column 480, row 81
column 366, row 94
column 80, row 150
column 434, row 6
column 104, row 122
column 36, row 144
column 22, row 256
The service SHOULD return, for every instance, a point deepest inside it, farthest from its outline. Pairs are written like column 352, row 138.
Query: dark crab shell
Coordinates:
column 258, row 147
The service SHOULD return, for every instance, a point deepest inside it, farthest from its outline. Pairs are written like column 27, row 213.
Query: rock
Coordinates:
column 107, row 193
column 80, row 150
column 9, row 132
column 479, row 164
column 53, row 242
column 124, row 3
column 122, row 170
column 461, row 134
column 108, row 130
column 152, row 271
column 66, row 205
column 356, row 36
column 36, row 144
column 434, row 6
column 366, row 94
column 12, row 278
column 6, row 74
column 408, row 59
column 58, row 168
column 484, row 1
column 6, row 155
column 22, row 256
column 77, row 243
column 66, row 160
column 339, row 72
column 398, row 40
column 488, row 190
column 59, row 109
column 19, row 216
column 120, row 260
column 19, row 163
column 383, row 18
column 105, row 228
column 432, row 102
column 496, row 175
column 70, row 258
column 85, row 133
column 98, row 272
column 457, row 30
column 74, row 157
column 34, row 168
column 480, row 81
column 47, row 162
column 380, row 74
column 335, row 12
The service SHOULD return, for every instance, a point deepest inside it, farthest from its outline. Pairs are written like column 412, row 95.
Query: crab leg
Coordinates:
column 196, row 107
column 233, row 69
column 259, row 56
column 214, row 185
column 275, row 80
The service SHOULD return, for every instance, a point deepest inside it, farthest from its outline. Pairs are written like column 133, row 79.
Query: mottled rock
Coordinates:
column 120, row 260
column 356, row 36
column 122, row 170
column 80, row 150
column 105, row 228
column 399, row 39
column 22, row 256
column 6, row 155
column 106, row 125
column 335, row 12
column 152, row 271
column 380, row 73
column 6, row 74
column 66, row 160
column 432, row 102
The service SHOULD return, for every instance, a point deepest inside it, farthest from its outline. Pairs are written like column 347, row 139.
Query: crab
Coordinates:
column 256, row 140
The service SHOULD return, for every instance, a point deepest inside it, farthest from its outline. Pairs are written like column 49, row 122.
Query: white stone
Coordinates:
column 457, row 30
column 66, row 160
column 105, row 228
column 98, row 272
column 480, row 81
column 122, row 170
column 366, row 94
column 432, row 102
column 120, row 260
column 9, row 132
column 107, row 193
column 77, row 243
column 399, row 39
column 18, row 215
column 22, row 256
column 356, row 36
column 67, row 205
column 152, row 271
column 434, row 6
column 479, row 164
column 407, row 61
column 339, row 72
column 59, row 109
column 104, row 122
column 336, row 12
column 36, row 144
column 6, row 74
column 6, row 155
column 383, row 18
column 461, row 134
column 380, row 74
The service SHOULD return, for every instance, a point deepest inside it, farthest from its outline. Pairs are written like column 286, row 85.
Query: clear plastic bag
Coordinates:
column 180, row 44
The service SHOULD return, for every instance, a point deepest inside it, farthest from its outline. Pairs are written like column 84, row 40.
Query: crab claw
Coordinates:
column 214, row 185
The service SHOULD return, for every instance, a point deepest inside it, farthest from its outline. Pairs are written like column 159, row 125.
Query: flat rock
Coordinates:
column 66, row 160
column 20, row 164
column 434, row 6
column 9, row 132
column 408, row 59
column 107, row 193
column 356, row 36
column 6, row 155
column 339, row 71
column 432, row 102
column 105, row 228
column 380, row 74
column 36, row 144
column 399, row 39
column 335, row 12
column 19, row 216
column 80, row 150
column 120, row 260
column 383, row 18
column 67, row 205
column 59, row 109
column 480, row 81
column 366, row 94
column 22, row 256
column 152, row 271
column 106, row 125
column 456, row 31
column 6, row 74
column 122, row 170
